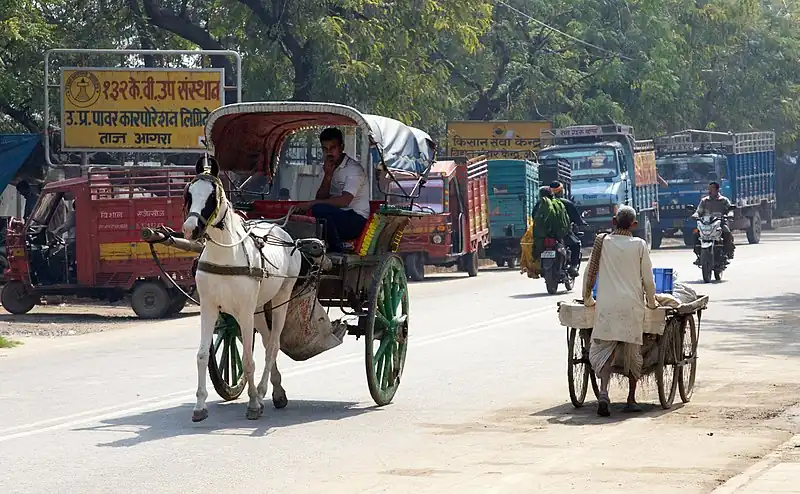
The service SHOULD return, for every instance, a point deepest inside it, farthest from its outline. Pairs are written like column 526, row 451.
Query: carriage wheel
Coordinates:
column 689, row 369
column 579, row 371
column 666, row 370
column 386, row 323
column 225, row 359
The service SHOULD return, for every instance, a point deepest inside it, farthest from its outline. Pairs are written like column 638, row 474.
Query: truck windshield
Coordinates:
column 687, row 169
column 587, row 163
column 431, row 195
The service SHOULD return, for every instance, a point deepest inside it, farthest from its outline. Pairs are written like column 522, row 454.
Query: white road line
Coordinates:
column 58, row 423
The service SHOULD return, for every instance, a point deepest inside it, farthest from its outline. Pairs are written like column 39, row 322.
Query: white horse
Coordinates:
column 224, row 283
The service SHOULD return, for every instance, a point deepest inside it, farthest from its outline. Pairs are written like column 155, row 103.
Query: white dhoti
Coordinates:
column 625, row 355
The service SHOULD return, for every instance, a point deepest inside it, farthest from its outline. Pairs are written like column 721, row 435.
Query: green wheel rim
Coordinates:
column 387, row 329
column 225, row 358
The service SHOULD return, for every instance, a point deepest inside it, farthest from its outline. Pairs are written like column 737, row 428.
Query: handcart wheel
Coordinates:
column 225, row 358
column 666, row 370
column 386, row 324
column 689, row 369
column 579, row 371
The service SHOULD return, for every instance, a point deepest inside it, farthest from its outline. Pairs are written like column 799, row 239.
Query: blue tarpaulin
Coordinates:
column 14, row 151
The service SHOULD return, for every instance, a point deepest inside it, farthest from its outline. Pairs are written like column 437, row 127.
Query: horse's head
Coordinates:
column 204, row 202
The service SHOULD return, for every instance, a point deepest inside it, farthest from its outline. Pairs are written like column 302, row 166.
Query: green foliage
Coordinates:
column 660, row 65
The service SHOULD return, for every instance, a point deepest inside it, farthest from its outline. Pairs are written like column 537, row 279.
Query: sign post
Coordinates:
column 133, row 110
column 137, row 109
column 495, row 139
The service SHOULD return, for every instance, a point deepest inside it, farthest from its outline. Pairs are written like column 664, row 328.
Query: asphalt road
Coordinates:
column 483, row 407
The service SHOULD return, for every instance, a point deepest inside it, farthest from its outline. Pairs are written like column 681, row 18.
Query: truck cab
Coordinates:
column 457, row 227
column 609, row 168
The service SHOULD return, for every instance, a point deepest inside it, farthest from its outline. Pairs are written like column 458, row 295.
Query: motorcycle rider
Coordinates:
column 715, row 204
column 572, row 241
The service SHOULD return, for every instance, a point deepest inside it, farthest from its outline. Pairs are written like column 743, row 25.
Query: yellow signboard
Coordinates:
column 495, row 139
column 137, row 109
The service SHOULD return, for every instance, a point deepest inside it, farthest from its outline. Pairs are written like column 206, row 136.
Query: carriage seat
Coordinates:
column 303, row 225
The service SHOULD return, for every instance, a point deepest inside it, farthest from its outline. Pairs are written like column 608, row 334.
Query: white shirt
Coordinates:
column 625, row 279
column 350, row 177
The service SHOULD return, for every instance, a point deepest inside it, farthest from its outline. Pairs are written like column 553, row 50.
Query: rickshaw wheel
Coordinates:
column 17, row 299
column 579, row 370
column 666, row 370
column 387, row 323
column 225, row 358
column 688, row 371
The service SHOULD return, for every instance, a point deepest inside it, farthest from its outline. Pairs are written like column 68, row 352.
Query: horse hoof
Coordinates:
column 254, row 413
column 199, row 415
column 280, row 401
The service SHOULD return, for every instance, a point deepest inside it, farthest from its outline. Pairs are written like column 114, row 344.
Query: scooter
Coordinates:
column 712, row 258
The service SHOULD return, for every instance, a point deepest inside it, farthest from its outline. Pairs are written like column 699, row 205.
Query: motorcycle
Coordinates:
column 712, row 258
column 555, row 263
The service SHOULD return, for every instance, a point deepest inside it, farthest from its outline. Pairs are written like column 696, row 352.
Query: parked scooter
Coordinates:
column 712, row 258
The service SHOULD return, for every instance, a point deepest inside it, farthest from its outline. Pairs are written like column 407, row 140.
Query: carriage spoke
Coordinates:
column 381, row 319
column 236, row 362
column 223, row 360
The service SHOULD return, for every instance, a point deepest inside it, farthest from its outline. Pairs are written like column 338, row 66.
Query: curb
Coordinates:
column 754, row 471
column 784, row 222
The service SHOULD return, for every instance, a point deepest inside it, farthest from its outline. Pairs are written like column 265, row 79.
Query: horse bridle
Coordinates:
column 210, row 221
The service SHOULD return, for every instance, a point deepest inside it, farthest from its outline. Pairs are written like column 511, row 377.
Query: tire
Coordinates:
column 551, row 285
column 471, row 264
column 688, row 237
column 646, row 232
column 688, row 371
column 499, row 262
column 579, row 371
column 178, row 303
column 415, row 267
column 658, row 236
column 150, row 300
column 17, row 298
column 666, row 370
column 717, row 275
column 512, row 263
column 706, row 265
column 754, row 230
column 386, row 322
column 569, row 283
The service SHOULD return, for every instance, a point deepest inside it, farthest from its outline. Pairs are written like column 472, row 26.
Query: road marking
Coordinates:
column 58, row 423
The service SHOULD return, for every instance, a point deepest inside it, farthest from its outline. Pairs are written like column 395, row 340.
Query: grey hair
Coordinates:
column 626, row 215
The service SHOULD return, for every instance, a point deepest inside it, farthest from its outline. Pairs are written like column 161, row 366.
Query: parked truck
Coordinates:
column 610, row 168
column 457, row 229
column 513, row 190
column 742, row 163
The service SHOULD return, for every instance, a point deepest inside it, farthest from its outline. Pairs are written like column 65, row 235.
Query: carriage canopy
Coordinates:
column 247, row 137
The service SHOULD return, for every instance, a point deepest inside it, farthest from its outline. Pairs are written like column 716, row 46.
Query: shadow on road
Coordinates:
column 567, row 414
column 225, row 419
column 769, row 326
column 67, row 317
column 542, row 294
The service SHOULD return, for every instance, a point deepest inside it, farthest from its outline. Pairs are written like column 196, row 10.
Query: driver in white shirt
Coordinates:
column 343, row 197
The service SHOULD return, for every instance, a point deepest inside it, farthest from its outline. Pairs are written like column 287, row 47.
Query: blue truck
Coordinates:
column 609, row 168
column 513, row 190
column 743, row 164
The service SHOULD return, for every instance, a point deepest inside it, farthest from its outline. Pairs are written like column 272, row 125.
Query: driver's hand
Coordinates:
column 329, row 166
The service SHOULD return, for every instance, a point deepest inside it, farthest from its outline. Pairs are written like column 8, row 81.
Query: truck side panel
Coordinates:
column 645, row 183
column 509, row 195
column 752, row 177
column 478, row 202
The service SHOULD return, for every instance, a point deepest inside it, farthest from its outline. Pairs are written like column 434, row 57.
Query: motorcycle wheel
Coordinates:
column 707, row 265
column 717, row 274
column 552, row 286
column 569, row 282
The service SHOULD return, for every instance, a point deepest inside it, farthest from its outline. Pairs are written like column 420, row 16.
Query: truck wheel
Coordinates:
column 512, row 263
column 646, row 231
column 500, row 262
column 688, row 237
column 415, row 267
column 658, row 236
column 17, row 299
column 150, row 300
column 471, row 264
column 754, row 230
column 177, row 304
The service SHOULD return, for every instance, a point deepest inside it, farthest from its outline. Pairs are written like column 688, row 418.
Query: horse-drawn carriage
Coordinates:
column 669, row 349
column 367, row 283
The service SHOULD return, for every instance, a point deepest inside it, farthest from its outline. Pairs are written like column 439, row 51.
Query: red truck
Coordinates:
column 107, row 259
column 456, row 194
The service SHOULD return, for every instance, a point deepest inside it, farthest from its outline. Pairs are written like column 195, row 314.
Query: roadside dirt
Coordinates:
column 74, row 318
